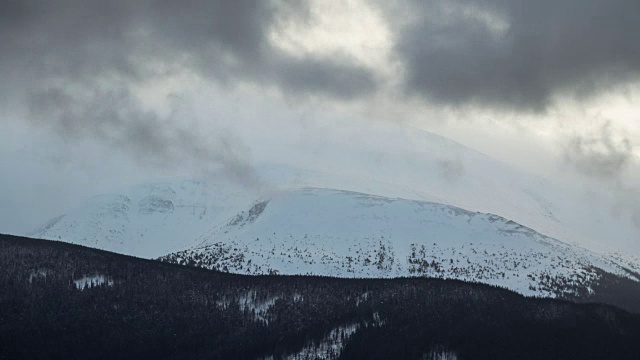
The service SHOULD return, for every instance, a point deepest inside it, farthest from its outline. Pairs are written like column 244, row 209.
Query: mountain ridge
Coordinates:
column 349, row 234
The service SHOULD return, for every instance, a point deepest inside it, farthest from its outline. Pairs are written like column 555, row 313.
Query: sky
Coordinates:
column 99, row 95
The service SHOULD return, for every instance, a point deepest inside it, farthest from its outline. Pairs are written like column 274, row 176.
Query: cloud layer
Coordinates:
column 500, row 54
column 76, row 68
column 600, row 155
column 81, row 40
column 73, row 66
column 519, row 54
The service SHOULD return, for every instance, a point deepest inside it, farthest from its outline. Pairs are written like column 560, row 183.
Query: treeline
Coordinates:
column 135, row 308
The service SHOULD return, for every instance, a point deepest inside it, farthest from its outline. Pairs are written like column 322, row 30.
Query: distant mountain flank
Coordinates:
column 159, row 217
column 472, row 218
column 347, row 234
column 147, row 220
column 330, row 232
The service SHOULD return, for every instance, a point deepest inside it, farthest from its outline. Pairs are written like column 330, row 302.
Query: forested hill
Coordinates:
column 71, row 302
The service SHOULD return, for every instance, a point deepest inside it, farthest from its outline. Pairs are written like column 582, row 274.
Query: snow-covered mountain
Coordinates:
column 387, row 162
column 348, row 234
column 341, row 233
column 409, row 163
column 147, row 220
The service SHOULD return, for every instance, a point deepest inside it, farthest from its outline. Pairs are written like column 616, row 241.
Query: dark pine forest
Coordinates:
column 63, row 301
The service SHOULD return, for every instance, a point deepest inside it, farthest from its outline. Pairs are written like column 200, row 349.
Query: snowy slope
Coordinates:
column 147, row 220
column 348, row 234
column 409, row 163
column 392, row 163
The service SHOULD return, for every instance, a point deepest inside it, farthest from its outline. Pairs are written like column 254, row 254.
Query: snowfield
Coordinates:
column 88, row 282
column 147, row 220
column 347, row 234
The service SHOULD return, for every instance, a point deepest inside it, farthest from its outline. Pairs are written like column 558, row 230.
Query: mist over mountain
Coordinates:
column 456, row 223
column 437, row 170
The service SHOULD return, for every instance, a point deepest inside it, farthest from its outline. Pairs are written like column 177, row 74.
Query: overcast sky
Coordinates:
column 96, row 95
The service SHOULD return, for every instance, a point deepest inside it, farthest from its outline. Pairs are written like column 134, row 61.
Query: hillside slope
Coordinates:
column 413, row 164
column 347, row 234
column 59, row 300
column 392, row 163
column 147, row 220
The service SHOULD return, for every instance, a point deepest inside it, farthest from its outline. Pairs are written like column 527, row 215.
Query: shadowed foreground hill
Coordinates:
column 66, row 301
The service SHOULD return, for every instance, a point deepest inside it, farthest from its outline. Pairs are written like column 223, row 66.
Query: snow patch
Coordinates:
column 329, row 347
column 255, row 303
column 38, row 274
column 88, row 282
column 148, row 220
column 440, row 354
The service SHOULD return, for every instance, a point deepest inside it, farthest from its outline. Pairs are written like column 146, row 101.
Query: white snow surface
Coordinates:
column 147, row 220
column 255, row 303
column 412, row 164
column 330, row 232
column 329, row 346
column 88, row 282
column 348, row 234
column 393, row 163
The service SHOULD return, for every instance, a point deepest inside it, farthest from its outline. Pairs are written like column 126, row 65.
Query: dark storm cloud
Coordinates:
column 320, row 76
column 226, row 39
column 519, row 54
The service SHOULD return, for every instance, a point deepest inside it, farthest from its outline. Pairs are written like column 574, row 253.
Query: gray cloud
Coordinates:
column 519, row 54
column 80, row 40
column 322, row 76
column 73, row 64
column 114, row 117
column 599, row 154
column 604, row 157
